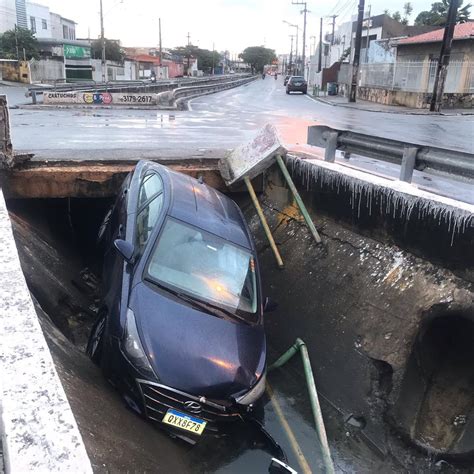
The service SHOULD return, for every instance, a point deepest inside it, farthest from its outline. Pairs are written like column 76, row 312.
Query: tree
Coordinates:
column 258, row 57
column 407, row 11
column 112, row 50
column 206, row 59
column 438, row 14
column 21, row 38
column 396, row 16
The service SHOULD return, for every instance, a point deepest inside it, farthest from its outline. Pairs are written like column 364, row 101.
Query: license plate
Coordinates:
column 185, row 422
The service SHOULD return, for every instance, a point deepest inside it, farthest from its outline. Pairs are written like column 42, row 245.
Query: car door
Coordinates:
column 112, row 228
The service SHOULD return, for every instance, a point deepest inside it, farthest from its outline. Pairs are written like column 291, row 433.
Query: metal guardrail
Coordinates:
column 88, row 85
column 188, row 92
column 409, row 156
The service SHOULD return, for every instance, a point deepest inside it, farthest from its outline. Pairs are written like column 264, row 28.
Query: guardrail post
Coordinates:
column 331, row 147
column 408, row 163
column 33, row 97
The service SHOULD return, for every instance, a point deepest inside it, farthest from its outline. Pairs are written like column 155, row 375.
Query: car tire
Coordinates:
column 287, row 92
column 304, row 92
column 95, row 343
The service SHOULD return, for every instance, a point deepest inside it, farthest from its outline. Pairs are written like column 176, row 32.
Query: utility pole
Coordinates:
column 161, row 47
column 356, row 60
column 320, row 52
column 102, row 37
column 304, row 11
column 189, row 38
column 444, row 56
column 16, row 44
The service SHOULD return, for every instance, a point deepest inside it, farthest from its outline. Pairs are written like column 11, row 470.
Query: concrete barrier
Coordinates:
column 100, row 98
column 38, row 429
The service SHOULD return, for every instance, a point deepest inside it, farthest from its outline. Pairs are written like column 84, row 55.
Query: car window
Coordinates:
column 146, row 220
column 150, row 187
column 297, row 79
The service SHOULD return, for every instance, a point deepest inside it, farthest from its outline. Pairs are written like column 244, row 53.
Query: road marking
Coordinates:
column 289, row 432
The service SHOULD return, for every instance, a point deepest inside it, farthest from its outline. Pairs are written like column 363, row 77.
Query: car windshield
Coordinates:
column 206, row 267
column 297, row 78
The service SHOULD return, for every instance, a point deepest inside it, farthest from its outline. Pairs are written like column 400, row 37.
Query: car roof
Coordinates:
column 200, row 205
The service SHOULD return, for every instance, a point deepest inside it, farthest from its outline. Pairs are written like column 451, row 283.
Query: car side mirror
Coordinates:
column 279, row 467
column 125, row 249
column 269, row 305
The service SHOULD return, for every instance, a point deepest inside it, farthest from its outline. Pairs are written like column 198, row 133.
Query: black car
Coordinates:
column 180, row 332
column 297, row 84
column 285, row 81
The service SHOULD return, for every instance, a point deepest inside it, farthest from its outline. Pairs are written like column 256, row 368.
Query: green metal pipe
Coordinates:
column 300, row 346
column 298, row 199
column 264, row 222
column 282, row 360
column 316, row 408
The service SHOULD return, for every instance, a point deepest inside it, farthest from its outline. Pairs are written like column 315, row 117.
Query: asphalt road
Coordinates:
column 216, row 122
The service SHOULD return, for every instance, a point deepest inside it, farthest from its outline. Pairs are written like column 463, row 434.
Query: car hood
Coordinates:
column 196, row 352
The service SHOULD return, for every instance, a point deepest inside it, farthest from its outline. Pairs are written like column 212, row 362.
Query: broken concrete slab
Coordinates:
column 251, row 159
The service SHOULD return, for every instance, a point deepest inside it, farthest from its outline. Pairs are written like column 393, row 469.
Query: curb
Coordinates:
column 90, row 107
column 401, row 112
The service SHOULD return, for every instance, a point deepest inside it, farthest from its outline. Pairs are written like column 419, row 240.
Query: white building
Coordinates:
column 39, row 21
column 62, row 28
column 49, row 25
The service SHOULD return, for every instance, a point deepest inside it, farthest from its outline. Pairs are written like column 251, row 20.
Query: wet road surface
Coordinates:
column 221, row 121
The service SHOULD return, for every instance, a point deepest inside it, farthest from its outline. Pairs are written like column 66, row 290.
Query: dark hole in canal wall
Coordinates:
column 435, row 408
column 56, row 242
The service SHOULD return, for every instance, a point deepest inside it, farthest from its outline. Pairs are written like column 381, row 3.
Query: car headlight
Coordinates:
column 133, row 349
column 254, row 393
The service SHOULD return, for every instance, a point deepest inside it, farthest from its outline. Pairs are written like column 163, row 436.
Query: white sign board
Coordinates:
column 252, row 158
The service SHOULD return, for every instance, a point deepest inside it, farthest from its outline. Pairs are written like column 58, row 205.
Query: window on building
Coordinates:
column 44, row 24
column 65, row 32
column 33, row 24
column 72, row 34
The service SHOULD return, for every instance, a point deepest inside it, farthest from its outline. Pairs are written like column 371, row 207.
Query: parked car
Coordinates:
column 285, row 81
column 180, row 332
column 297, row 84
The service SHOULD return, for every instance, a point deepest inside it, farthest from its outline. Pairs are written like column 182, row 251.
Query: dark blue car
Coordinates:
column 180, row 332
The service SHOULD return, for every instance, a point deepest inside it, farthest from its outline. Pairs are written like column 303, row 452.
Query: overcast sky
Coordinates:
column 230, row 24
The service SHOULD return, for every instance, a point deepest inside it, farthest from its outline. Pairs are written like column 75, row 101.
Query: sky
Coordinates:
column 230, row 25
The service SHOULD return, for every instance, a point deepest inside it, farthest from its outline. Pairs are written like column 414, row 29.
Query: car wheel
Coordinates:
column 305, row 91
column 95, row 344
column 287, row 92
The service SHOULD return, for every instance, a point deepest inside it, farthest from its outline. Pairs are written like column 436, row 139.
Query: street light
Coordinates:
column 297, row 32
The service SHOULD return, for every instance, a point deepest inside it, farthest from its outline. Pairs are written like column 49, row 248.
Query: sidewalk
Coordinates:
column 340, row 101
